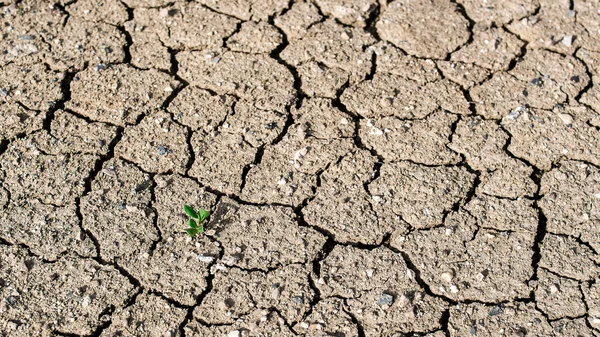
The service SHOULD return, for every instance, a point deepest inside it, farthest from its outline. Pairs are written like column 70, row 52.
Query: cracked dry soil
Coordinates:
column 372, row 168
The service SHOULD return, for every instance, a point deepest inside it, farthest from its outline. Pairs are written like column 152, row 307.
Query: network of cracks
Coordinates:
column 411, row 168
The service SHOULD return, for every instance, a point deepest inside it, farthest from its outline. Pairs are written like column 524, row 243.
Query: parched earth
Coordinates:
column 411, row 168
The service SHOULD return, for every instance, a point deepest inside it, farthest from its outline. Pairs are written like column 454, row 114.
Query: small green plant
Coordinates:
column 196, row 220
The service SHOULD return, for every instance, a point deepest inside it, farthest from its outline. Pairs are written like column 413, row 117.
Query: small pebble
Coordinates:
column 567, row 40
column 270, row 126
column 161, row 150
column 566, row 118
column 100, row 66
column 516, row 112
column 205, row 258
column 446, row 277
column 497, row 310
column 12, row 300
column 297, row 299
column 234, row 333
column 385, row 299
column 537, row 82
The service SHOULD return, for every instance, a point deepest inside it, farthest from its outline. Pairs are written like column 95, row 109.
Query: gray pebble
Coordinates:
column 161, row 150
column 100, row 66
column 297, row 299
column 497, row 310
column 270, row 126
column 473, row 330
column 537, row 82
column 385, row 299
column 12, row 300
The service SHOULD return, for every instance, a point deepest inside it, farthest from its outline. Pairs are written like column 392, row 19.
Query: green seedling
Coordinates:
column 196, row 220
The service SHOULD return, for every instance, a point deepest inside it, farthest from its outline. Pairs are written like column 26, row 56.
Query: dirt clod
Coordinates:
column 437, row 27
column 420, row 195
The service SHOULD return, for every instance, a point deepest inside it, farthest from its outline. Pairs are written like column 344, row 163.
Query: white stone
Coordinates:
column 446, row 277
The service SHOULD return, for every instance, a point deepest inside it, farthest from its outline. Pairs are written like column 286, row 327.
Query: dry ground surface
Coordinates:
column 411, row 168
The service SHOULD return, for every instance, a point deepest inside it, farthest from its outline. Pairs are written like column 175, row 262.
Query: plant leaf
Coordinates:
column 202, row 215
column 190, row 211
column 191, row 231
column 200, row 229
column 192, row 223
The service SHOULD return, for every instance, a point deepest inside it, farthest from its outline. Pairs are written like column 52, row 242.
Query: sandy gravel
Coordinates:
column 372, row 168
